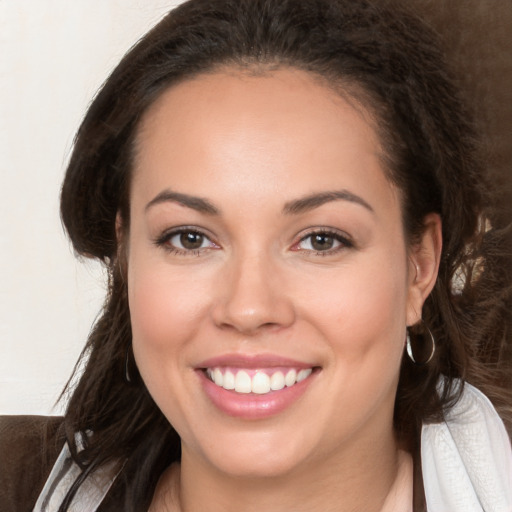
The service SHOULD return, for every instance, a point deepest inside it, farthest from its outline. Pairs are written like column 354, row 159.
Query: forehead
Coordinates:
column 231, row 131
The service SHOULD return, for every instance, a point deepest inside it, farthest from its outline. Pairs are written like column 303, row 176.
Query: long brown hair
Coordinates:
column 390, row 61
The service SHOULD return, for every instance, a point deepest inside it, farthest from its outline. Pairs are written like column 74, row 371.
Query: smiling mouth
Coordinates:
column 259, row 381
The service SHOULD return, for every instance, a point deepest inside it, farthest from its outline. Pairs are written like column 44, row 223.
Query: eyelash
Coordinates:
column 163, row 241
column 342, row 238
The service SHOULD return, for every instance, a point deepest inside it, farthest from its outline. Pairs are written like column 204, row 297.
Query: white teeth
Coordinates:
column 303, row 374
column 261, row 383
column 229, row 380
column 243, row 382
column 291, row 378
column 277, row 381
column 218, row 378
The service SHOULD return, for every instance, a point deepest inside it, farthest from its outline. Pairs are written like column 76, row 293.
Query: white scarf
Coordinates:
column 467, row 459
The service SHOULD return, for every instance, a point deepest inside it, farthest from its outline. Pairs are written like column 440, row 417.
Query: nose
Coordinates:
column 252, row 297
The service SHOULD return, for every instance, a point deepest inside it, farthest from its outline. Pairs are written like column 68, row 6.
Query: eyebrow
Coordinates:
column 313, row 201
column 195, row 203
column 294, row 207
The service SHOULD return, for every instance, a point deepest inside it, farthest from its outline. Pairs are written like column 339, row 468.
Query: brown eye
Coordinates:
column 190, row 240
column 186, row 241
column 322, row 242
column 328, row 242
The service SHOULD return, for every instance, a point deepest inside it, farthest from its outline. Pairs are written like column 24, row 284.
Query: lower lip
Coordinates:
column 253, row 406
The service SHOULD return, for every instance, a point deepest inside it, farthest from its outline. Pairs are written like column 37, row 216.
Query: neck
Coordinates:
column 340, row 482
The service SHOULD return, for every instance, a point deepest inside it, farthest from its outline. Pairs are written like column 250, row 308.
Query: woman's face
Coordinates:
column 266, row 253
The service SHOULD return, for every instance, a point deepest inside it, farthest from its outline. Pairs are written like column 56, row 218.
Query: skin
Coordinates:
column 250, row 145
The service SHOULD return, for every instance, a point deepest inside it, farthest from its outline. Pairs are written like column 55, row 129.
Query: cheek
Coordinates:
column 151, row 334
column 151, row 309
column 166, row 309
column 163, row 304
column 363, row 309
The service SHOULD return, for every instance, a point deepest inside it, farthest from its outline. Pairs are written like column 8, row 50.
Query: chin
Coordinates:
column 256, row 455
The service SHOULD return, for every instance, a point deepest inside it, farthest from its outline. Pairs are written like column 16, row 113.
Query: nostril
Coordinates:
column 251, row 319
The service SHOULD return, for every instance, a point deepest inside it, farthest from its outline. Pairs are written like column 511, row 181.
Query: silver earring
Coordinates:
column 126, row 368
column 425, row 329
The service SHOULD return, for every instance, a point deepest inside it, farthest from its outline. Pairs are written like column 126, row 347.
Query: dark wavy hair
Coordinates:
column 388, row 60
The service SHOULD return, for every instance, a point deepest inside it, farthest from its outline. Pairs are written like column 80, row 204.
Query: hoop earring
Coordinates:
column 410, row 353
column 127, row 376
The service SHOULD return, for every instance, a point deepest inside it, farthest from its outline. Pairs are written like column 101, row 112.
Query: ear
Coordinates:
column 424, row 257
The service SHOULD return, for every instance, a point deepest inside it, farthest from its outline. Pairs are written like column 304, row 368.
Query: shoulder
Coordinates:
column 29, row 446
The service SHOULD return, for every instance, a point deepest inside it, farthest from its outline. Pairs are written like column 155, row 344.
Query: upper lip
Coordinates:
column 253, row 361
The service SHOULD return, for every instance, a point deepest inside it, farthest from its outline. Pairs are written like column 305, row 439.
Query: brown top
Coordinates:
column 29, row 446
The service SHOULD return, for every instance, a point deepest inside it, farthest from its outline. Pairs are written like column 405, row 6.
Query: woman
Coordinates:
column 303, row 260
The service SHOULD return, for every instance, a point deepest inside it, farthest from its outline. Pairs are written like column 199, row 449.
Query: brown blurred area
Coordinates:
column 477, row 39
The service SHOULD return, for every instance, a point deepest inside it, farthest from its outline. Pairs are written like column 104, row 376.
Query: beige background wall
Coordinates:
column 54, row 54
